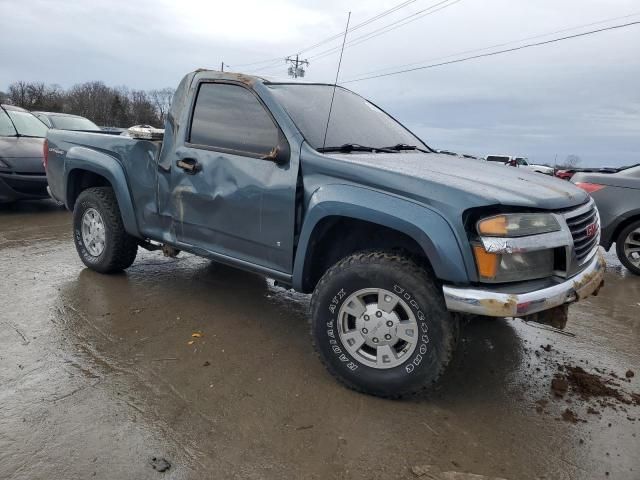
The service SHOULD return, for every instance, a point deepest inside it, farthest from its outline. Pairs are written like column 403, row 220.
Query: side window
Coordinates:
column 230, row 117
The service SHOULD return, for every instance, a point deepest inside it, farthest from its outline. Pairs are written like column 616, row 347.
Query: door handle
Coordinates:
column 189, row 165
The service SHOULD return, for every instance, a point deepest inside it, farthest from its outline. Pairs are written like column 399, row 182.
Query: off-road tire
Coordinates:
column 620, row 247
column 120, row 248
column 401, row 275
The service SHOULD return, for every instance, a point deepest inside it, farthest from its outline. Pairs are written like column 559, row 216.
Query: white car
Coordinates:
column 519, row 162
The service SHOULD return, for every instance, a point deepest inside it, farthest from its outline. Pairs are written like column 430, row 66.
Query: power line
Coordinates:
column 499, row 52
column 360, row 25
column 380, row 31
column 259, row 62
column 334, row 37
column 278, row 64
column 498, row 45
column 390, row 27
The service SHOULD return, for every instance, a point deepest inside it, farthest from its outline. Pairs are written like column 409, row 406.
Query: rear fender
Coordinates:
column 427, row 227
column 81, row 158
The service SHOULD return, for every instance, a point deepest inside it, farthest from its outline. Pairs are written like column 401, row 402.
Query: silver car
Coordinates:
column 617, row 196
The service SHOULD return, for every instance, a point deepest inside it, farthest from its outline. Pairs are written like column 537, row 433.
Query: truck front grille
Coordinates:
column 585, row 230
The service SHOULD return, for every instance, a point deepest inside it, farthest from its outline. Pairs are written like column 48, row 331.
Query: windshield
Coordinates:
column 353, row 119
column 63, row 122
column 24, row 123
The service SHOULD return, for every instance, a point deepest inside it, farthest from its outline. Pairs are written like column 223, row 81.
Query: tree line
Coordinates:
column 104, row 105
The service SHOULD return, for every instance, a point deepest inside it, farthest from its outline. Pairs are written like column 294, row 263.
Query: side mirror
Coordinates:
column 278, row 155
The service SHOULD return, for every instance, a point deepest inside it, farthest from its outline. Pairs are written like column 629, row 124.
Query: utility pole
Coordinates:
column 297, row 66
column 222, row 67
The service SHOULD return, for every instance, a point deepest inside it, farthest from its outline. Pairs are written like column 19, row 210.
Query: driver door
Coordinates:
column 231, row 195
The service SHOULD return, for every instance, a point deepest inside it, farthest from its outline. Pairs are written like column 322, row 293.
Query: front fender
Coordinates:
column 427, row 227
column 82, row 158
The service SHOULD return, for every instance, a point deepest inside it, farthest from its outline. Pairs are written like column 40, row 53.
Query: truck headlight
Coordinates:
column 518, row 225
column 513, row 264
column 513, row 267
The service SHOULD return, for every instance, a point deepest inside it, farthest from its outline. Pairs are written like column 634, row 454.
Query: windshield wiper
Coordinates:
column 403, row 146
column 354, row 147
column 27, row 136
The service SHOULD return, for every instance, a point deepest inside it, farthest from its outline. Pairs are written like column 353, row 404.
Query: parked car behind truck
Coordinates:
column 66, row 121
column 519, row 162
column 617, row 194
column 22, row 174
column 394, row 241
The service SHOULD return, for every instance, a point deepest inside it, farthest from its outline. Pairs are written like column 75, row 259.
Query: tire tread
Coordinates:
column 411, row 267
column 125, row 246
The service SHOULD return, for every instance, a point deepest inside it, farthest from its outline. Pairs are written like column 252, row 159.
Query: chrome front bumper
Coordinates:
column 495, row 304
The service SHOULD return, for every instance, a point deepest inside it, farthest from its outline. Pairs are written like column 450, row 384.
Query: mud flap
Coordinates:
column 555, row 317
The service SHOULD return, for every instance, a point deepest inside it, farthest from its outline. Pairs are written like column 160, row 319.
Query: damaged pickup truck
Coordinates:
column 395, row 241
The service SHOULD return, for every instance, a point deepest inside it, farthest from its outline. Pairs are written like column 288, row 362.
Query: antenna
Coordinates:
column 335, row 85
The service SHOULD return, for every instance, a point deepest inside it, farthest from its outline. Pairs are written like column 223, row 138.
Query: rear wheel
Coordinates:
column 628, row 247
column 98, row 232
column 380, row 325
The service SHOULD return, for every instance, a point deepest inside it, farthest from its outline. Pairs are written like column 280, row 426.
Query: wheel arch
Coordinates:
column 86, row 168
column 629, row 218
column 343, row 219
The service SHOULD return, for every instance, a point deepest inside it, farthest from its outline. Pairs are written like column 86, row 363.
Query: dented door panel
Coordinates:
column 236, row 206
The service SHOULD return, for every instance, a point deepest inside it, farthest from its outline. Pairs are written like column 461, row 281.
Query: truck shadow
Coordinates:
column 167, row 299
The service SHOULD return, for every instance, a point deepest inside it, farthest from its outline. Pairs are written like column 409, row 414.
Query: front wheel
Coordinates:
column 628, row 247
column 380, row 325
column 98, row 232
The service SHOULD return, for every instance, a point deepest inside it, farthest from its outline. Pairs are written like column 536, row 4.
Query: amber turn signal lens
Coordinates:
column 486, row 262
column 493, row 226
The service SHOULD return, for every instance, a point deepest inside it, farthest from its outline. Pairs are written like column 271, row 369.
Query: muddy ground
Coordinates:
column 101, row 374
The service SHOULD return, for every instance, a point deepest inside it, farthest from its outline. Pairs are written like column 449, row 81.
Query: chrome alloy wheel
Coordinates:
column 93, row 232
column 378, row 328
column 632, row 247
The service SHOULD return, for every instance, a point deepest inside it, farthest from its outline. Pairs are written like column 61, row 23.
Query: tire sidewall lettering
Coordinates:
column 344, row 357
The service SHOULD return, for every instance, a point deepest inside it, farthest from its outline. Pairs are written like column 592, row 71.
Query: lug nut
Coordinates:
column 366, row 318
column 389, row 323
column 375, row 340
column 387, row 336
column 365, row 331
column 378, row 314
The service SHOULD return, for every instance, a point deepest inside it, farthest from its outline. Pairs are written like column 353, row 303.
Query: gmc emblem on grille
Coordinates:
column 592, row 230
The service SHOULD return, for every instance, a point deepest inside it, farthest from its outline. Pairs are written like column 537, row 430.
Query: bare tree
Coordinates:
column 18, row 93
column 162, row 101
column 107, row 106
column 572, row 161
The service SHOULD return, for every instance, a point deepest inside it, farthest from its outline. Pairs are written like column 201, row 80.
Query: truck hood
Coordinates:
column 434, row 178
column 22, row 154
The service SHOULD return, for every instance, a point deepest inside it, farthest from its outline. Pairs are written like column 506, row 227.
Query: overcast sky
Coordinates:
column 580, row 96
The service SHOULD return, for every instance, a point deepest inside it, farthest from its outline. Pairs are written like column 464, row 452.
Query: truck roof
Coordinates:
column 182, row 96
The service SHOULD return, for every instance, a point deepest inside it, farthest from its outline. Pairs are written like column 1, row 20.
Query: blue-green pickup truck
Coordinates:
column 395, row 241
